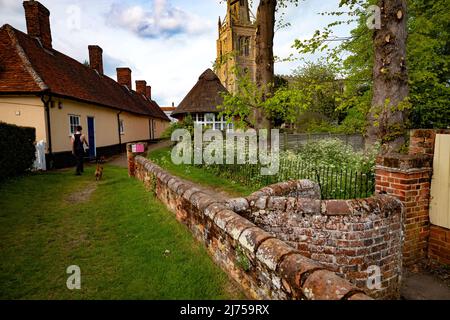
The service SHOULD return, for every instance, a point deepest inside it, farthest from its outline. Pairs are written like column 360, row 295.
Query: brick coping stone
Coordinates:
column 295, row 276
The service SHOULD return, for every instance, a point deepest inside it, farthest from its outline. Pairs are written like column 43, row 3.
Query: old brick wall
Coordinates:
column 439, row 245
column 422, row 142
column 347, row 237
column 408, row 177
column 265, row 267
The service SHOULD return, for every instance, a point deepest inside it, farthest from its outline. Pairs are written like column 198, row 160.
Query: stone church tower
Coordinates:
column 236, row 44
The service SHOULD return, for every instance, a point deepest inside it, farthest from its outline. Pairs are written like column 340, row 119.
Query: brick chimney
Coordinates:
column 141, row 87
column 124, row 77
column 96, row 58
column 38, row 22
column 148, row 92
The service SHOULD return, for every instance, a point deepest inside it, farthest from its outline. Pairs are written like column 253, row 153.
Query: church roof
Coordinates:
column 204, row 97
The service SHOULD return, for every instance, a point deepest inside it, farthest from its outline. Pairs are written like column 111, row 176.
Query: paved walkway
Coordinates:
column 423, row 283
column 121, row 161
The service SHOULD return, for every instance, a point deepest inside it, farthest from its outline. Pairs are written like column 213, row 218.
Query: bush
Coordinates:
column 187, row 123
column 334, row 153
column 341, row 172
column 17, row 150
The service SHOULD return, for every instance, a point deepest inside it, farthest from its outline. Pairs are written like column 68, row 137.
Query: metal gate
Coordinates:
column 440, row 183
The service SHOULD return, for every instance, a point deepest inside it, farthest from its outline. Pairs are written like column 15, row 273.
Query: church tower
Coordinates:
column 236, row 44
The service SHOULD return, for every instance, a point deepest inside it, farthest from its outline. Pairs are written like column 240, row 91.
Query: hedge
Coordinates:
column 17, row 150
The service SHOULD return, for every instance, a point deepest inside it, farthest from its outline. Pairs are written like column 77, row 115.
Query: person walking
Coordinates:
column 78, row 142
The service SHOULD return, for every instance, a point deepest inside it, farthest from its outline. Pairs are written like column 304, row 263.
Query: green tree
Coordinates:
column 427, row 58
column 266, row 21
column 321, row 79
column 428, row 61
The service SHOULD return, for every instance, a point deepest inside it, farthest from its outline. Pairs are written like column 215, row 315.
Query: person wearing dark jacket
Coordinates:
column 78, row 142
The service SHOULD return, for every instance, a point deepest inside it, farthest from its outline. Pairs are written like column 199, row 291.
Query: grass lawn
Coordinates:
column 115, row 232
column 162, row 157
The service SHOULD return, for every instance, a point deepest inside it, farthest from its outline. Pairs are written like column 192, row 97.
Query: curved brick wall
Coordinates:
column 264, row 266
column 346, row 236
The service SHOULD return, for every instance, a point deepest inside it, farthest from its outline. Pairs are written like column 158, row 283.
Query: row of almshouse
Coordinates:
column 45, row 89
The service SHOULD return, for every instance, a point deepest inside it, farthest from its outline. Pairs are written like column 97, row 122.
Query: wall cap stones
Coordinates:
column 271, row 251
column 276, row 255
column 405, row 161
column 252, row 238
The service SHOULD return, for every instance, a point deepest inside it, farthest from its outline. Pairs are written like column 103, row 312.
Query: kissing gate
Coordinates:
column 440, row 183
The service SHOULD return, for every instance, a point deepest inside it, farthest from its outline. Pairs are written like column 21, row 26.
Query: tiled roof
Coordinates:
column 205, row 96
column 26, row 67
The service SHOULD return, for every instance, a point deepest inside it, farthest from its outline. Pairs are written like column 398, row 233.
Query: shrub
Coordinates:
column 341, row 172
column 17, row 149
column 187, row 123
column 335, row 153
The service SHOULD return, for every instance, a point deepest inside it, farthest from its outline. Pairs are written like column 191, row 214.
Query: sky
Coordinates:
column 168, row 43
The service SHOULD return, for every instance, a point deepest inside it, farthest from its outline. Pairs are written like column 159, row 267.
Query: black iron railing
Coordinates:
column 335, row 183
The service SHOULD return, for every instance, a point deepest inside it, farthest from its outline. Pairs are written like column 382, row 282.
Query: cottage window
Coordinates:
column 209, row 119
column 213, row 121
column 74, row 122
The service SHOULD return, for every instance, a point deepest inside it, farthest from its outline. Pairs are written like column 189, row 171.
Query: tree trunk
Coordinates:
column 265, row 24
column 390, row 76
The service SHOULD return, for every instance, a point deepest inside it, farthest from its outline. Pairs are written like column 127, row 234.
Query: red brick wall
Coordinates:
column 439, row 245
column 264, row 267
column 346, row 236
column 407, row 177
column 423, row 142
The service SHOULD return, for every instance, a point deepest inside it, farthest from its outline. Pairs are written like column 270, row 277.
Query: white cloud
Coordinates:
column 10, row 5
column 164, row 20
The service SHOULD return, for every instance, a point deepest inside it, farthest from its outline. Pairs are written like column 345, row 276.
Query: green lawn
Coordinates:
column 117, row 236
column 199, row 175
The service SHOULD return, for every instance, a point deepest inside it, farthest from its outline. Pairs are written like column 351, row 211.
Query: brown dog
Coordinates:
column 99, row 172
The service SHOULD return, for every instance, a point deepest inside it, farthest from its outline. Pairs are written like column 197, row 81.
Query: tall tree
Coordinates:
column 265, row 32
column 390, row 78
column 387, row 87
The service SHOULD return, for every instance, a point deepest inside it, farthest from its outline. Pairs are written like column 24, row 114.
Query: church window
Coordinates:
column 244, row 46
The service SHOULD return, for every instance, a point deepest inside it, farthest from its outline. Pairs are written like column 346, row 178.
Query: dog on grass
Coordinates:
column 99, row 170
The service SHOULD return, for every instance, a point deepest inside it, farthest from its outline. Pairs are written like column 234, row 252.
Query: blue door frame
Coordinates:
column 91, row 137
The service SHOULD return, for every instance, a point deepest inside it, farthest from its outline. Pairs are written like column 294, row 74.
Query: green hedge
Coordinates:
column 17, row 150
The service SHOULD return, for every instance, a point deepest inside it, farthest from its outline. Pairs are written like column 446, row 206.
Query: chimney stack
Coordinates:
column 149, row 92
column 38, row 22
column 96, row 58
column 124, row 77
column 141, row 87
